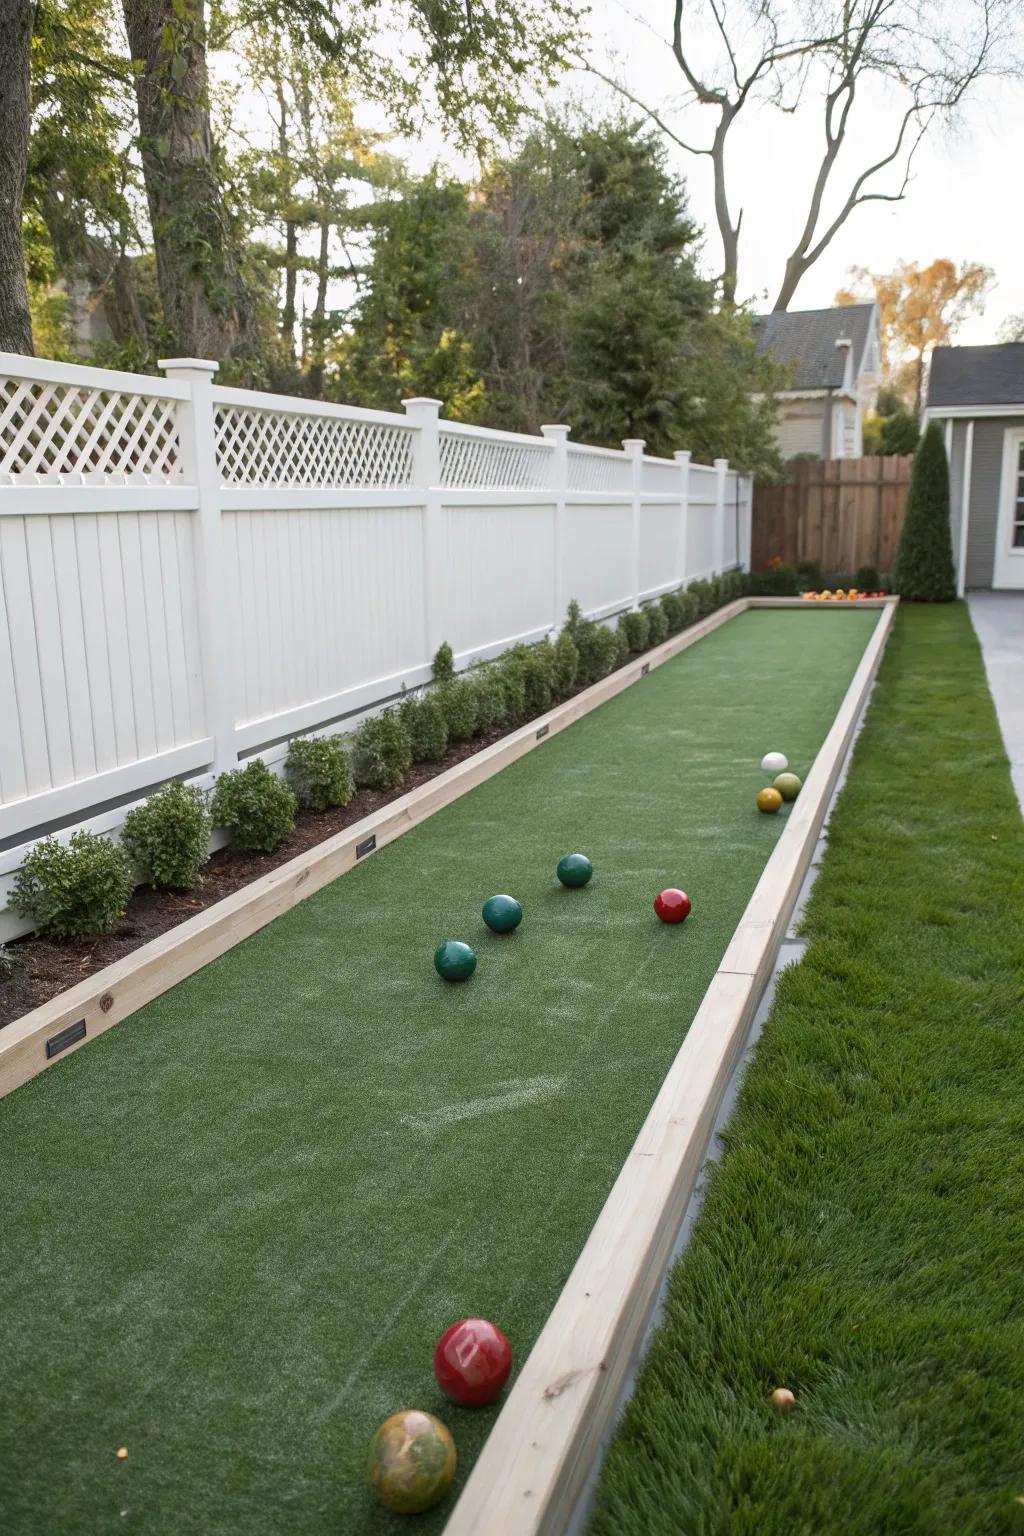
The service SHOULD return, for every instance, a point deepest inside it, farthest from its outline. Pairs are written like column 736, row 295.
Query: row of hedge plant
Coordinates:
column 82, row 887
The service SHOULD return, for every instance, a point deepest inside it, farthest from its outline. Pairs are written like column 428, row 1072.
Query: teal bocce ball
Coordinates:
column 502, row 913
column 454, row 960
column 575, row 869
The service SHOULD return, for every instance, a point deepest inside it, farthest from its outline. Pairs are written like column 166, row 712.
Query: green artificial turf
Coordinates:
column 234, row 1226
column 863, row 1239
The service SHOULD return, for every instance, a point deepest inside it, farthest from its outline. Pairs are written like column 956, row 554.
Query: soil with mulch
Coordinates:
column 42, row 969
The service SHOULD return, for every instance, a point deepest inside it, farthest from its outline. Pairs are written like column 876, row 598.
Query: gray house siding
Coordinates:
column 986, row 469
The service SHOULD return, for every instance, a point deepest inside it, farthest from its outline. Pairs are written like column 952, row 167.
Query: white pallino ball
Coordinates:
column 774, row 762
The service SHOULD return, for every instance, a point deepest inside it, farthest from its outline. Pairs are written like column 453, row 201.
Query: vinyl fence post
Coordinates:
column 746, row 523
column 198, row 448
column 634, row 447
column 559, row 479
column 426, row 477
column 721, row 470
column 682, row 457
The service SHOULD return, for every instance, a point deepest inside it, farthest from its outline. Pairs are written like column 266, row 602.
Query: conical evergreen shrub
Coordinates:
column 924, row 565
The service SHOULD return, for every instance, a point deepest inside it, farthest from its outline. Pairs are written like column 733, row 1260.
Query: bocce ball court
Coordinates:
column 236, row 1224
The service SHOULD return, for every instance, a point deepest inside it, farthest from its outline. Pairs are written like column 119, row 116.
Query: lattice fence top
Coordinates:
column 487, row 464
column 599, row 472
column 49, row 430
column 268, row 447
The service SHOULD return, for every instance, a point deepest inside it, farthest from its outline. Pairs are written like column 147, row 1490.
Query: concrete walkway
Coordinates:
column 998, row 619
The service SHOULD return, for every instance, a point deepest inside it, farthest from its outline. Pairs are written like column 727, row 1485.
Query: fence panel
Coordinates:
column 322, row 601
column 598, row 554
column 499, row 576
column 100, row 665
column 843, row 513
column 189, row 573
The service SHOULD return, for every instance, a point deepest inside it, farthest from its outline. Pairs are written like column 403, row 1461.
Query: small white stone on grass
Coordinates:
column 774, row 762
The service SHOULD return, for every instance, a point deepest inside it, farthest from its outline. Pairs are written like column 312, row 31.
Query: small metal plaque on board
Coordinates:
column 68, row 1036
column 367, row 845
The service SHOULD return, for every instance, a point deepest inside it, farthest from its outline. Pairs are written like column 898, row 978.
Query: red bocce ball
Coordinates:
column 472, row 1361
column 672, row 906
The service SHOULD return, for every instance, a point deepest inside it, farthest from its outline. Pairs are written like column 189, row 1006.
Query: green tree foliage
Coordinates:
column 924, row 563
column 563, row 286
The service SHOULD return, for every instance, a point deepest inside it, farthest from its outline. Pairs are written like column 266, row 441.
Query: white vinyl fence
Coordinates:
column 190, row 574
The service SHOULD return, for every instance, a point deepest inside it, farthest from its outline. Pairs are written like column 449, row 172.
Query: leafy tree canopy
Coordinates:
column 562, row 286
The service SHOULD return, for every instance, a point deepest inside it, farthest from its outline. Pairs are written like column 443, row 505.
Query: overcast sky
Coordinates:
column 964, row 201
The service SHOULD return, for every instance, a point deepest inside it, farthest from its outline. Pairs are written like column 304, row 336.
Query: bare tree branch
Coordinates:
column 655, row 117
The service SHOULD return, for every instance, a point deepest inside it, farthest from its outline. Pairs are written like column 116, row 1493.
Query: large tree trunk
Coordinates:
column 318, row 319
column 205, row 299
column 17, row 18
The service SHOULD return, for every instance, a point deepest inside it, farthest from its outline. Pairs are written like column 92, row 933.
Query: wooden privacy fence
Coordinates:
column 843, row 513
column 190, row 574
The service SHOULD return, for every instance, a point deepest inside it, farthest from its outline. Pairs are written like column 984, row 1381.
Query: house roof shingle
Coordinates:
column 807, row 338
column 992, row 375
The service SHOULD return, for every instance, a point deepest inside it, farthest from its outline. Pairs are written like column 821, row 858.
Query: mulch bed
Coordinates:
column 43, row 969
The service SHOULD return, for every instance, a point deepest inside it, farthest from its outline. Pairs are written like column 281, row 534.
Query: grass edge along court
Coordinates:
column 235, row 1226
column 862, row 1241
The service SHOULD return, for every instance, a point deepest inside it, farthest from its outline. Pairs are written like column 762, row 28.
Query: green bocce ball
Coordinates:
column 787, row 784
column 574, row 870
column 502, row 913
column 454, row 960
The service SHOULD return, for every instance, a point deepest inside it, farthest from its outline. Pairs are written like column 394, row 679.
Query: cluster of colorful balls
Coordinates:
column 784, row 786
column 851, row 595
column 454, row 960
column 413, row 1456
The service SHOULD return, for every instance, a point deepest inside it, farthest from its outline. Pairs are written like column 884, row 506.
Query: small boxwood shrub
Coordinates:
column 700, row 591
column 513, row 683
column 672, row 608
column 73, row 889
column 809, row 572
column 381, row 752
column 689, row 607
column 598, row 649
column 169, row 836
column 565, row 664
column 538, row 666
column 657, row 623
column 636, row 627
column 777, row 581
column 443, row 664
column 425, row 727
column 317, row 769
column 457, row 699
column 257, row 808
column 621, row 646
column 491, row 698
column 6, row 963
column 868, row 579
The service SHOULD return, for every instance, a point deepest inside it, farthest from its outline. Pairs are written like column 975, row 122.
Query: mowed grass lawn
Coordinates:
column 863, row 1239
column 234, row 1227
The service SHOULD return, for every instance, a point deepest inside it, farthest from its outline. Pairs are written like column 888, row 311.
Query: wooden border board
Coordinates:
column 64, row 1024
column 549, row 1435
